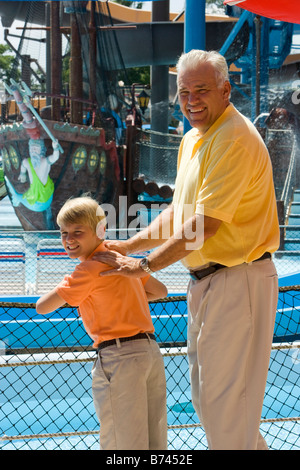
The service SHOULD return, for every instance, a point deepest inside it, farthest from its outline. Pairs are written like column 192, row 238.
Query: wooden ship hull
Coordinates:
column 88, row 164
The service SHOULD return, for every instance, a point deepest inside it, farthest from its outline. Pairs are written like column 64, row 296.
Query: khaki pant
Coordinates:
column 129, row 392
column 230, row 331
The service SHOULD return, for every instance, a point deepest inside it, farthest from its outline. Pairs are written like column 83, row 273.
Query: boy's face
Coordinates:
column 78, row 240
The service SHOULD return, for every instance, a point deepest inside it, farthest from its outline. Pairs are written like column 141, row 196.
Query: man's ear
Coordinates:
column 227, row 90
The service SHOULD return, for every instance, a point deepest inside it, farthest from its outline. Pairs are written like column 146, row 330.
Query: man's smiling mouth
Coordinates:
column 196, row 110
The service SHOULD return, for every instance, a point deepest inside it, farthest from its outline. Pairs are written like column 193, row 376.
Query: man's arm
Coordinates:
column 193, row 233
column 49, row 302
column 160, row 230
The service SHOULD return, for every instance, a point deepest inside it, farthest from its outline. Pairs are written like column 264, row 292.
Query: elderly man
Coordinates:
column 225, row 228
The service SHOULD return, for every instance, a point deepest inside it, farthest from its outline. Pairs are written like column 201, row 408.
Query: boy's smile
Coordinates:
column 79, row 240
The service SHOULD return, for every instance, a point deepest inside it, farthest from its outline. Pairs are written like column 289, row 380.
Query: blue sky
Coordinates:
column 176, row 6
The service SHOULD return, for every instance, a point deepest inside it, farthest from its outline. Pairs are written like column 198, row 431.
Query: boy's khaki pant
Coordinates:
column 230, row 331
column 129, row 392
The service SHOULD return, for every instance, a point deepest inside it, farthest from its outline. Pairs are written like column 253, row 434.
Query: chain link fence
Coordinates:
column 156, row 156
column 31, row 263
column 45, row 375
column 46, row 361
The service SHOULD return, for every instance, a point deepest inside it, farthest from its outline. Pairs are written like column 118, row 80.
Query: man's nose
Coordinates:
column 192, row 98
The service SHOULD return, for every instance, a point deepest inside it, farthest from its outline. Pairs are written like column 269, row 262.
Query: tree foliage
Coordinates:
column 7, row 68
column 127, row 3
column 140, row 75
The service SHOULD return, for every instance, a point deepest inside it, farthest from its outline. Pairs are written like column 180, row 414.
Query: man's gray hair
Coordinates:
column 192, row 59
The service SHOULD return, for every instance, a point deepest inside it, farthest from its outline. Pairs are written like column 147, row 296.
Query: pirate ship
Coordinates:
column 74, row 145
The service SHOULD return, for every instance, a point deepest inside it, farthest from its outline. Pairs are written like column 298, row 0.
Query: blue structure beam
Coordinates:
column 236, row 29
column 194, row 25
column 194, row 32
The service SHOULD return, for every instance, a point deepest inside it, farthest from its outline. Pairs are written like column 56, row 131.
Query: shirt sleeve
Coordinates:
column 228, row 173
column 145, row 279
column 75, row 288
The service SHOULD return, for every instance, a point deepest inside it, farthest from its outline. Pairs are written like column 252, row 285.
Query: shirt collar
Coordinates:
column 195, row 133
column 100, row 247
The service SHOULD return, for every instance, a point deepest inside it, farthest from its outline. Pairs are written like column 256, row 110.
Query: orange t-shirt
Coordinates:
column 111, row 307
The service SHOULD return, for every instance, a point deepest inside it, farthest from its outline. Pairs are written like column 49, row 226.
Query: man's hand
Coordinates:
column 123, row 265
column 117, row 245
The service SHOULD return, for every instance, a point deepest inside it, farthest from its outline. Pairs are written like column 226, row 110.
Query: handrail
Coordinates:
column 288, row 184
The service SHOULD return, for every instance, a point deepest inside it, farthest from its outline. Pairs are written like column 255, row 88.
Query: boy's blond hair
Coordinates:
column 84, row 210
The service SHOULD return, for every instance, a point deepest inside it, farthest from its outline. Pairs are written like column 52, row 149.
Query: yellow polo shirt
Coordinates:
column 227, row 174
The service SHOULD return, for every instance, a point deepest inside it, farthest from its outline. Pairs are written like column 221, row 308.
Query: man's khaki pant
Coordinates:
column 230, row 331
column 129, row 392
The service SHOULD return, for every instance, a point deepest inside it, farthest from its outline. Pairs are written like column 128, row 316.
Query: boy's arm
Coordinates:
column 49, row 302
column 155, row 289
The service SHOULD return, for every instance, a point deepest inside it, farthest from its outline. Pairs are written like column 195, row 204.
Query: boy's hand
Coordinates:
column 123, row 265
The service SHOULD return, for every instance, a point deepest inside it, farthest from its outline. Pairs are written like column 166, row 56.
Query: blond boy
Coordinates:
column 128, row 377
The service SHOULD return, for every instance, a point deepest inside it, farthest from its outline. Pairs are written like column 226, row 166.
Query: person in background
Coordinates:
column 223, row 225
column 128, row 377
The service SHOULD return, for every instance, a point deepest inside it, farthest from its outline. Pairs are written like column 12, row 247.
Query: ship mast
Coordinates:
column 56, row 59
column 76, row 84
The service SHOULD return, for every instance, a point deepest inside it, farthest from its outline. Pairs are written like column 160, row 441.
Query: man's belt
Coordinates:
column 201, row 273
column 113, row 342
